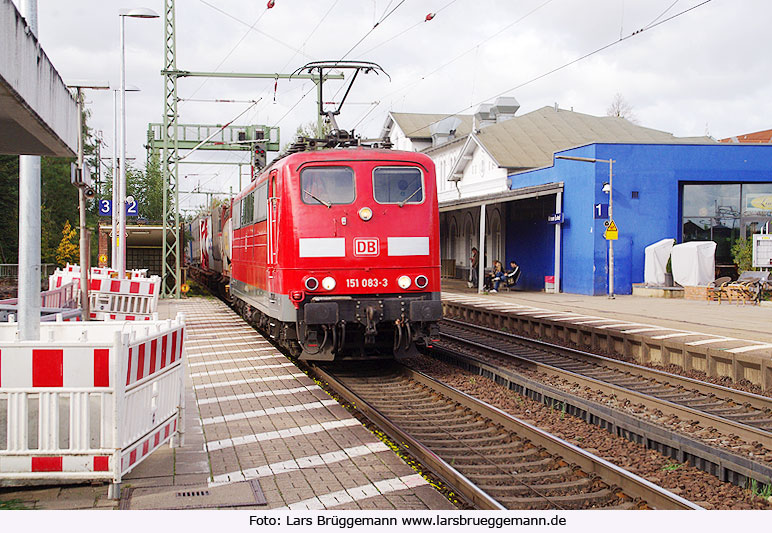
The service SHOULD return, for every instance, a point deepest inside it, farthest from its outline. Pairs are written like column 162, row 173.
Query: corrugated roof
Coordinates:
column 529, row 141
column 416, row 125
column 757, row 137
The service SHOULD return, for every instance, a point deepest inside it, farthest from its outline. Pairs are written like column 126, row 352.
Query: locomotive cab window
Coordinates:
column 327, row 185
column 398, row 185
column 261, row 203
column 248, row 209
column 235, row 215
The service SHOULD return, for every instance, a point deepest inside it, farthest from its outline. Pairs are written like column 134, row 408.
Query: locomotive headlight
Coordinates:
column 365, row 213
column 404, row 282
column 328, row 283
column 421, row 281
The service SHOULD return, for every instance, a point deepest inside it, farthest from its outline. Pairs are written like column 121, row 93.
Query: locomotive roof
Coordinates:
column 354, row 154
column 342, row 155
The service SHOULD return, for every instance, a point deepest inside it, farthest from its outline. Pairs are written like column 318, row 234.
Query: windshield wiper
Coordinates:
column 403, row 202
column 326, row 204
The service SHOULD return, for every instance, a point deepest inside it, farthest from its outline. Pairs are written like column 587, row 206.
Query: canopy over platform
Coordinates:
column 38, row 114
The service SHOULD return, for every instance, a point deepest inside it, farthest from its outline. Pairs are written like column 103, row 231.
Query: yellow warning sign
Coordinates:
column 611, row 233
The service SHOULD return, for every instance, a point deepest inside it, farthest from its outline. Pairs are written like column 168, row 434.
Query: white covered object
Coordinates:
column 694, row 263
column 655, row 262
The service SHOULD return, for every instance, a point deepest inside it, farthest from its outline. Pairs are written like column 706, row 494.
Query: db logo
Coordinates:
column 366, row 247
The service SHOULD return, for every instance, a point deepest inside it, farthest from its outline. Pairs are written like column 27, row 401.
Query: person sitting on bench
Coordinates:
column 513, row 275
column 498, row 276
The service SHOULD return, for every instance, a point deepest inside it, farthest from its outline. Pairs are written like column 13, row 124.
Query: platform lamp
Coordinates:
column 116, row 179
column 141, row 13
column 608, row 188
column 82, row 180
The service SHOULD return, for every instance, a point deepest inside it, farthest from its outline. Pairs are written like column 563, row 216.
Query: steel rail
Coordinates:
column 728, row 427
column 634, row 486
column 726, row 464
column 741, row 397
column 449, row 475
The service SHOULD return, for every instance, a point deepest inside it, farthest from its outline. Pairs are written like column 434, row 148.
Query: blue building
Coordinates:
column 499, row 182
column 717, row 192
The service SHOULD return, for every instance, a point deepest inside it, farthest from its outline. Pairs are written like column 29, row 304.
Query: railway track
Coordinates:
column 502, row 356
column 491, row 458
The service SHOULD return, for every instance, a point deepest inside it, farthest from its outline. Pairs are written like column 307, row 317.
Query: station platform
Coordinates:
column 751, row 322
column 723, row 341
column 259, row 434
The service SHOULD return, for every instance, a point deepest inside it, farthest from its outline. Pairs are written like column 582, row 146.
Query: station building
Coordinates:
column 548, row 214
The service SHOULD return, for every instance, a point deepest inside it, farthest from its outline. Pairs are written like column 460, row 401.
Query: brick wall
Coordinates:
column 696, row 293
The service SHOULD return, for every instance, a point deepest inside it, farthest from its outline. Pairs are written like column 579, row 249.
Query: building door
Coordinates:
column 273, row 236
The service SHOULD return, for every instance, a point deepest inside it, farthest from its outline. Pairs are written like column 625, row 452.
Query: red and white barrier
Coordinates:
column 69, row 273
column 123, row 299
column 121, row 385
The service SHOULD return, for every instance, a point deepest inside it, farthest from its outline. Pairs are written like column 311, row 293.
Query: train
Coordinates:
column 334, row 253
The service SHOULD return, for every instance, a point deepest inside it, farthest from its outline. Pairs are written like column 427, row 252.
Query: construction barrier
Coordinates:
column 123, row 299
column 91, row 401
column 61, row 301
column 62, row 276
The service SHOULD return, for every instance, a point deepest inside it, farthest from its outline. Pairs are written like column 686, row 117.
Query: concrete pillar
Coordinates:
column 29, row 223
column 558, row 235
column 481, row 262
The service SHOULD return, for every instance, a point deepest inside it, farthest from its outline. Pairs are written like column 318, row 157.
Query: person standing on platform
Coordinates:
column 475, row 262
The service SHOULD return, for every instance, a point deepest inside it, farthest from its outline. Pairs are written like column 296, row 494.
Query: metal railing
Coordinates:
column 11, row 270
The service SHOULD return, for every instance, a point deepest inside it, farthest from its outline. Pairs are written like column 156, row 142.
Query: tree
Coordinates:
column 306, row 130
column 621, row 108
column 67, row 251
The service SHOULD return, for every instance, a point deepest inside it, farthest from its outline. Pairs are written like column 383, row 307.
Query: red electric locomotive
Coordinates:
column 335, row 253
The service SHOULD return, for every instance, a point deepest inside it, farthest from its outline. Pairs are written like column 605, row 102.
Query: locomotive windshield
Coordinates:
column 327, row 185
column 398, row 185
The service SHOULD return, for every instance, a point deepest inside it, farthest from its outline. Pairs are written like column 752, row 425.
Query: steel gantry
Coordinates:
column 170, row 251
column 170, row 145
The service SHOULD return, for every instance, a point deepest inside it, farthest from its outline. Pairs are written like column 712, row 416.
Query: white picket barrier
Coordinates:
column 64, row 296
column 62, row 277
column 91, row 401
column 123, row 299
column 61, row 302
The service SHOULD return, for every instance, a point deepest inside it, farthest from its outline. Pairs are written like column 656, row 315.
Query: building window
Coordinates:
column 723, row 213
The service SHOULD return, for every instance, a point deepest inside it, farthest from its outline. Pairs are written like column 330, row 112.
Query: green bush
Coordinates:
column 742, row 254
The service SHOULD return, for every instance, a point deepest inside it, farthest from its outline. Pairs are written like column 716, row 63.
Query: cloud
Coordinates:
column 707, row 67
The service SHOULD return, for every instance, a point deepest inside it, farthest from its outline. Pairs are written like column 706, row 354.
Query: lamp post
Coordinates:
column 116, row 179
column 83, row 184
column 608, row 188
column 142, row 13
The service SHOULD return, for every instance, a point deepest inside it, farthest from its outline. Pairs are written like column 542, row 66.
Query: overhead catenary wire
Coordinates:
column 464, row 53
column 302, row 46
column 400, row 34
column 384, row 17
column 576, row 60
column 233, row 49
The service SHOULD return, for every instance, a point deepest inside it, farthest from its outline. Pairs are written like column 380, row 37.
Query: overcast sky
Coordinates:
column 704, row 72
